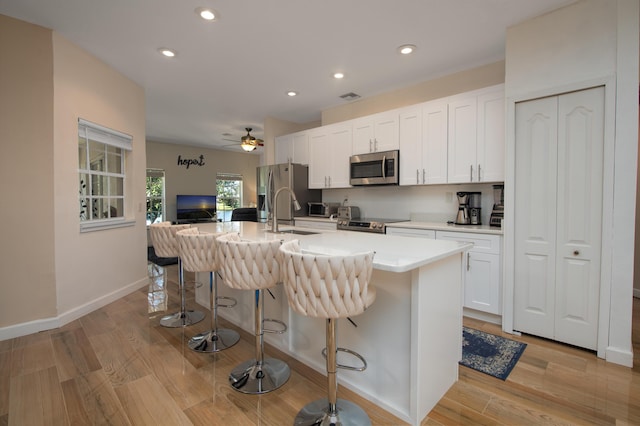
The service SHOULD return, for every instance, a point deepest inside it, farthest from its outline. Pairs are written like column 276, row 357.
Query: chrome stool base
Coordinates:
column 214, row 340
column 317, row 413
column 182, row 320
column 249, row 377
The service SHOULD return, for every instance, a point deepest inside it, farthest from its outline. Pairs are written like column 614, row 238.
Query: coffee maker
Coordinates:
column 498, row 206
column 462, row 218
column 475, row 206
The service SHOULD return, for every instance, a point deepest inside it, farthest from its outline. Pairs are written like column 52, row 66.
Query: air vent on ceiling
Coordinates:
column 350, row 96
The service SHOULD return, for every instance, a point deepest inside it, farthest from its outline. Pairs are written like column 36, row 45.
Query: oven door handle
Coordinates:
column 384, row 162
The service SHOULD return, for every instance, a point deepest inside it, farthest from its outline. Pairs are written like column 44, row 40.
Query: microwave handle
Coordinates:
column 384, row 162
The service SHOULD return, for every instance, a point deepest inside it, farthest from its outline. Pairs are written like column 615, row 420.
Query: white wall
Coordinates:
column 592, row 42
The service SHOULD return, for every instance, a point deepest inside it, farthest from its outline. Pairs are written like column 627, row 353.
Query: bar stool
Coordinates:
column 253, row 265
column 165, row 244
column 330, row 287
column 198, row 254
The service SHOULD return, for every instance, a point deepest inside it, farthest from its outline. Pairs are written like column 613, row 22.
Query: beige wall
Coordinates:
column 52, row 273
column 476, row 78
column 28, row 285
column 200, row 180
column 95, row 264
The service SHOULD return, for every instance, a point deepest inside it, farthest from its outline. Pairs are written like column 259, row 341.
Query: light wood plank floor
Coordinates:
column 118, row 366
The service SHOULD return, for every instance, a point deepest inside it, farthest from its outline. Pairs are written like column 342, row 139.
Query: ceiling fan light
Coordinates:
column 248, row 147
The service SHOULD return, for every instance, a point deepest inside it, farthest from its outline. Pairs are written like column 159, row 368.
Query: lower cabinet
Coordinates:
column 482, row 267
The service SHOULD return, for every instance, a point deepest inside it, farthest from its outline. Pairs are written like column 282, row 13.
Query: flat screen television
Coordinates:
column 196, row 208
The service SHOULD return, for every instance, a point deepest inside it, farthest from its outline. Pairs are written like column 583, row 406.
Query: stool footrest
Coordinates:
column 196, row 284
column 233, row 302
column 269, row 330
column 350, row 352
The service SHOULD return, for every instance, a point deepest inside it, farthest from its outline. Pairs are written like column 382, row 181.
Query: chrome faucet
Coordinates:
column 296, row 205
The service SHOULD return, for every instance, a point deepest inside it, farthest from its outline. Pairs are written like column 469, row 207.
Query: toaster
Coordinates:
column 348, row 212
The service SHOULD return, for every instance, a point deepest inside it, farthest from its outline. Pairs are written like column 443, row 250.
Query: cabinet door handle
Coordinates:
column 471, row 173
column 325, row 181
column 329, row 181
column 370, row 145
column 478, row 172
column 417, row 176
column 375, row 144
column 424, row 172
column 468, row 260
column 576, row 252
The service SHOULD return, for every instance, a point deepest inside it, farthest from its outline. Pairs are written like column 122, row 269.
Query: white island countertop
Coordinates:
column 411, row 335
column 392, row 253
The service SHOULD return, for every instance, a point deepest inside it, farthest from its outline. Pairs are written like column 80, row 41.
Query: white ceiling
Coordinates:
column 235, row 72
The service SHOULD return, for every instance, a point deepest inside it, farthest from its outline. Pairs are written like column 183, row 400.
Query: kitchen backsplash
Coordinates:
column 437, row 203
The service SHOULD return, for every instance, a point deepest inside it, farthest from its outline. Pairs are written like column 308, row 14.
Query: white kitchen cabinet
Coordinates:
column 423, row 143
column 476, row 136
column 377, row 132
column 293, row 147
column 416, row 233
column 329, row 152
column 481, row 271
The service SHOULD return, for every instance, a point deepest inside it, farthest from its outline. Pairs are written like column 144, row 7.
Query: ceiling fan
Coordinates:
column 248, row 143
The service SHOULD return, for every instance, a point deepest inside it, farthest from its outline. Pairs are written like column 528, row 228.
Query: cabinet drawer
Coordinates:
column 416, row 233
column 314, row 224
column 482, row 243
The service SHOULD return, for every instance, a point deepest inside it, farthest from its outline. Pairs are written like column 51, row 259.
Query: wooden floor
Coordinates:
column 118, row 366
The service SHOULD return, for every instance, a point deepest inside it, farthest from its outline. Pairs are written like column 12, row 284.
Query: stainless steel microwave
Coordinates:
column 376, row 168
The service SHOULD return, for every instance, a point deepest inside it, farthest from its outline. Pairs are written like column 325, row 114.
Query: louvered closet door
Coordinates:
column 559, row 156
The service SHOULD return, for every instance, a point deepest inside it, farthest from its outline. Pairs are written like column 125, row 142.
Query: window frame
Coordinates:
column 114, row 145
column 162, row 198
column 228, row 177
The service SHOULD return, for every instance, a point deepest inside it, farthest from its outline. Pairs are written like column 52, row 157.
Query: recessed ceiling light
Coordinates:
column 338, row 75
column 292, row 93
column 167, row 52
column 206, row 13
column 406, row 49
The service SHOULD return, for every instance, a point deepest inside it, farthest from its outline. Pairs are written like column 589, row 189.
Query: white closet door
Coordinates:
column 559, row 157
column 580, row 159
column 535, row 204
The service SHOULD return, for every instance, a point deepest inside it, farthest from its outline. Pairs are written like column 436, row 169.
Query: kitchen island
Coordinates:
column 411, row 336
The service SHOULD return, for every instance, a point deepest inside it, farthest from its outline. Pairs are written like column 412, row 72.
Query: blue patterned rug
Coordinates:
column 490, row 354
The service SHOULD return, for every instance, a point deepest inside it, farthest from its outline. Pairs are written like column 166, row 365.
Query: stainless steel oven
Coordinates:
column 376, row 168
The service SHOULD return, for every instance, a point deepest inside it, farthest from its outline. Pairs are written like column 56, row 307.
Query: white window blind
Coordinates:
column 98, row 133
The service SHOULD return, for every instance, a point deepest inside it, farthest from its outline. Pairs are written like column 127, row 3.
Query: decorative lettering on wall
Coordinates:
column 188, row 162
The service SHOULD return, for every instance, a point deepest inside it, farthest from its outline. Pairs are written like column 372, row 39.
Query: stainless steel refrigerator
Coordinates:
column 272, row 178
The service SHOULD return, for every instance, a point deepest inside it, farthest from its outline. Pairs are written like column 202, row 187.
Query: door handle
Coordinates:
column 384, row 162
column 576, row 252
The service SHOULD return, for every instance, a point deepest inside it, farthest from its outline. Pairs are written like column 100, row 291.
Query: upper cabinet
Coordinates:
column 374, row 133
column 423, row 143
column 459, row 139
column 329, row 152
column 293, row 147
column 476, row 136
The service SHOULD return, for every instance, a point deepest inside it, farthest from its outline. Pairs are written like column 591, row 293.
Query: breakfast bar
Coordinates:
column 411, row 336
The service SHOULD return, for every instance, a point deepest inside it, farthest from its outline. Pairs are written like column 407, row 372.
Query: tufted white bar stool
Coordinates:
column 330, row 287
column 165, row 244
column 254, row 265
column 198, row 251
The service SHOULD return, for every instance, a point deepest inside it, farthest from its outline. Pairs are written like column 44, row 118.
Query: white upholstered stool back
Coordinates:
column 163, row 238
column 198, row 250
column 327, row 286
column 249, row 265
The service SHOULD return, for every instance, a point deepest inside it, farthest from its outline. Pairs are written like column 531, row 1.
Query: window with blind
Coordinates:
column 101, row 175
column 155, row 196
column 229, row 194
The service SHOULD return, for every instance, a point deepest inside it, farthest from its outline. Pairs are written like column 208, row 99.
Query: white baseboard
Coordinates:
column 36, row 326
column 618, row 356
